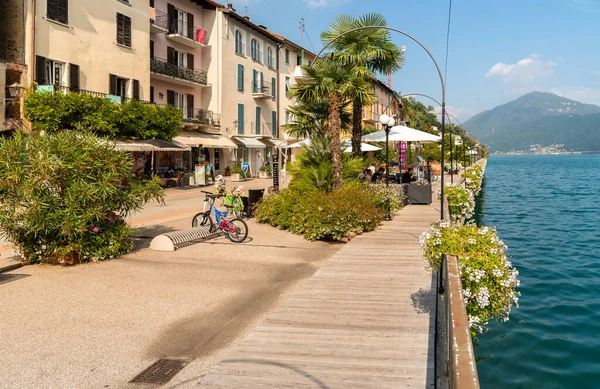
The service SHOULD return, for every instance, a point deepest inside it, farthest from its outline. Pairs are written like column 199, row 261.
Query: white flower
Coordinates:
column 473, row 320
column 472, row 241
column 483, row 297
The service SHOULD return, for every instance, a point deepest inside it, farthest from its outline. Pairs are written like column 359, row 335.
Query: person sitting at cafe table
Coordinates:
column 408, row 176
column 380, row 175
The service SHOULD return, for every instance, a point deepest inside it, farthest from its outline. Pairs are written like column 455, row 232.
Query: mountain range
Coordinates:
column 538, row 118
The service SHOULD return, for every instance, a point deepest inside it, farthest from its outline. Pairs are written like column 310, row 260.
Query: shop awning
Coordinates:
column 251, row 143
column 163, row 145
column 271, row 142
column 133, row 146
column 195, row 139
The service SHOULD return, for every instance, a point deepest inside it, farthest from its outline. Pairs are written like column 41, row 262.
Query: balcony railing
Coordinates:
column 257, row 56
column 160, row 20
column 67, row 89
column 262, row 128
column 162, row 66
column 258, row 87
column 240, row 48
column 271, row 62
column 188, row 31
column 198, row 115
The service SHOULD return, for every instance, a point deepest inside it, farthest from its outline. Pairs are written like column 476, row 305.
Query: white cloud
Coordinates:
column 312, row 4
column 523, row 76
column 461, row 113
column 582, row 94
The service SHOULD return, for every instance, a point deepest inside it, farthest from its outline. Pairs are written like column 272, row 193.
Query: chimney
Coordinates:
column 263, row 27
column 247, row 17
column 229, row 5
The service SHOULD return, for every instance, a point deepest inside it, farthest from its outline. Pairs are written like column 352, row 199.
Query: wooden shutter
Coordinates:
column 257, row 120
column 274, row 123
column 62, row 11
column 171, row 97
column 190, row 58
column 152, row 3
column 190, row 106
column 191, row 33
column 151, row 49
column 113, row 84
column 120, row 29
column 172, row 15
column 240, row 78
column 171, row 55
column 240, row 118
column 127, row 31
column 136, row 89
column 40, row 70
column 260, row 83
column 254, row 81
column 74, row 77
column 52, row 9
column 273, row 87
column 152, row 94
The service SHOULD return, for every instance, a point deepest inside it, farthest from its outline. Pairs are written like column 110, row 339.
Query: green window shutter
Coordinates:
column 240, row 84
column 254, row 82
column 261, row 80
column 273, row 87
column 274, row 123
column 257, row 120
column 240, row 118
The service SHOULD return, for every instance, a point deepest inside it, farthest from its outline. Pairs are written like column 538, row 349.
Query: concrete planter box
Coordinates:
column 263, row 174
column 236, row 177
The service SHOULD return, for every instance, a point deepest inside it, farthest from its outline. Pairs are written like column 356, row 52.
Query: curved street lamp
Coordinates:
column 443, row 104
column 387, row 122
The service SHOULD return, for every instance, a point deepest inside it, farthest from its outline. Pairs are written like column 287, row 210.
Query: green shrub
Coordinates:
column 51, row 112
column 65, row 195
column 488, row 278
column 461, row 203
column 321, row 215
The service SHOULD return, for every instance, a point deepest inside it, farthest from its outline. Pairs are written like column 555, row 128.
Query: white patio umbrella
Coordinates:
column 346, row 146
column 402, row 134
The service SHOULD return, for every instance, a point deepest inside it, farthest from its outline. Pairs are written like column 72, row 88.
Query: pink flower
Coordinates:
column 96, row 229
column 110, row 219
column 92, row 226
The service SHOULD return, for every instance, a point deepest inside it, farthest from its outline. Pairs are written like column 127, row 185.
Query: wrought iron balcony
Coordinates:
column 159, row 21
column 240, row 48
column 187, row 34
column 262, row 129
column 257, row 56
column 260, row 90
column 175, row 72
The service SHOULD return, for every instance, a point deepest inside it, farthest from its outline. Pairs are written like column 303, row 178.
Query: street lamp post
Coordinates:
column 387, row 122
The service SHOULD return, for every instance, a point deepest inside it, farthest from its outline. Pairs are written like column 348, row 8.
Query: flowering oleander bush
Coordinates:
column 461, row 202
column 474, row 177
column 322, row 215
column 488, row 278
column 64, row 196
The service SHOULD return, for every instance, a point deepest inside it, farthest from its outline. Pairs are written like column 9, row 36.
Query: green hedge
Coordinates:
column 51, row 112
column 323, row 215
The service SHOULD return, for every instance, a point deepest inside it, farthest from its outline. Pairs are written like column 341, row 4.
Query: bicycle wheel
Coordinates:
column 203, row 219
column 236, row 230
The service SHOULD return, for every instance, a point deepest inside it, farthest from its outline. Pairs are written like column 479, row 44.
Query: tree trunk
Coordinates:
column 334, row 132
column 356, row 127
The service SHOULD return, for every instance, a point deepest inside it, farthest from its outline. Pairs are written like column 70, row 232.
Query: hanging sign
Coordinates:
column 402, row 154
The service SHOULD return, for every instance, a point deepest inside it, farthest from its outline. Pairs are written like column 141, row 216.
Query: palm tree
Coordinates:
column 337, row 84
column 370, row 50
column 311, row 118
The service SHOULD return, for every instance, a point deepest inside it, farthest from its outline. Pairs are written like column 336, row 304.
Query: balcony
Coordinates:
column 159, row 22
column 262, row 129
column 260, row 90
column 257, row 56
column 371, row 117
column 186, row 34
column 163, row 70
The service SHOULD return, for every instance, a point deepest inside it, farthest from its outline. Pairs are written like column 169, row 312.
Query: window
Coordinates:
column 270, row 59
column 273, row 87
column 298, row 60
column 239, row 43
column 240, row 118
column 118, row 86
column 287, row 56
column 123, row 30
column 257, row 129
column 58, row 10
column 255, row 51
column 287, row 84
column 73, row 77
column 240, row 78
column 181, row 103
column 274, row 123
column 54, row 73
column 288, row 117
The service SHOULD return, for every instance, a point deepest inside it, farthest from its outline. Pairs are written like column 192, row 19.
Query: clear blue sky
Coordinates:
column 499, row 50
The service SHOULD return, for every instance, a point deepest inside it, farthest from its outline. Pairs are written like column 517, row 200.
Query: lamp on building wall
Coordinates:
column 161, row 95
column 15, row 90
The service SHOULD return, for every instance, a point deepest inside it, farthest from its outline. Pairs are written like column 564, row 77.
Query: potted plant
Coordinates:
column 192, row 179
column 227, row 171
column 237, row 174
column 264, row 172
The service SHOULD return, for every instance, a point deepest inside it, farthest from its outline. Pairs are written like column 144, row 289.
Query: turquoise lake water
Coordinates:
column 546, row 209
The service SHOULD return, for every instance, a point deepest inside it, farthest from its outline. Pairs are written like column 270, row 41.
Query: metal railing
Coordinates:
column 271, row 62
column 68, row 89
column 187, row 30
column 373, row 116
column 257, row 56
column 262, row 128
column 162, row 66
column 161, row 19
column 240, row 48
column 258, row 87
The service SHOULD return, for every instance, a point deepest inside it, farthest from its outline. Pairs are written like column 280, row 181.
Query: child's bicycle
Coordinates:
column 235, row 229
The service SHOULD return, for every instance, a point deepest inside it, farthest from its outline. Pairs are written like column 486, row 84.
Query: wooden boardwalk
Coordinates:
column 363, row 320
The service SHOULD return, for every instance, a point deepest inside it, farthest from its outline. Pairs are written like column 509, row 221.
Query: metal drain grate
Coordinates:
column 161, row 371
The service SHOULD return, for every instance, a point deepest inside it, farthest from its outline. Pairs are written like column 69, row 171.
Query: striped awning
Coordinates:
column 197, row 139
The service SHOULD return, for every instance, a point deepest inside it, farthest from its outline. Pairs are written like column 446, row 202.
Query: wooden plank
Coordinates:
column 363, row 320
